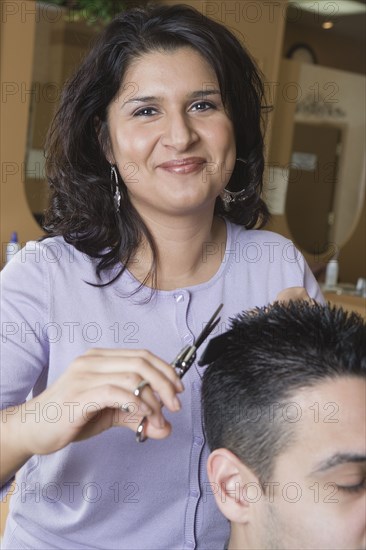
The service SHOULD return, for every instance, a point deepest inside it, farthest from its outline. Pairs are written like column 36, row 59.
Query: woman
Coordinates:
column 155, row 162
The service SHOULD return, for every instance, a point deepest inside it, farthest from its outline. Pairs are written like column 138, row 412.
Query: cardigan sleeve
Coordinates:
column 24, row 318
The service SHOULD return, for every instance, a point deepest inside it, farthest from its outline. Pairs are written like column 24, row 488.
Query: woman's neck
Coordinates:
column 190, row 250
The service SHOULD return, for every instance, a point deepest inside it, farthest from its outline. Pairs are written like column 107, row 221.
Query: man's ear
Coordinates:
column 231, row 482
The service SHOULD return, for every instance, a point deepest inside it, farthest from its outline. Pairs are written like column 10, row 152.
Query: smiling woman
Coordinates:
column 155, row 163
column 181, row 145
column 118, row 89
column 181, row 139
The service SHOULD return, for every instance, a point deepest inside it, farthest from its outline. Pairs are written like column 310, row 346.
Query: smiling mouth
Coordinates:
column 183, row 166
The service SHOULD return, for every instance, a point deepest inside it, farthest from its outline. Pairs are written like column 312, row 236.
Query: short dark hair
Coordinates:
column 81, row 205
column 271, row 353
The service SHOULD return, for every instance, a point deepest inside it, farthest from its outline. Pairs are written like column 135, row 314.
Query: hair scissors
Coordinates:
column 183, row 362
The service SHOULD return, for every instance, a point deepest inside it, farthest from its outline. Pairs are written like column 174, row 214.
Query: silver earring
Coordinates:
column 232, row 197
column 115, row 188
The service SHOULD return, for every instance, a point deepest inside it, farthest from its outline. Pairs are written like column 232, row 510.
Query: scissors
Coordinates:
column 183, row 362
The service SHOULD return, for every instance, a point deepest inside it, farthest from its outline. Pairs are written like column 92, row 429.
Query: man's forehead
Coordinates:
column 341, row 397
column 330, row 422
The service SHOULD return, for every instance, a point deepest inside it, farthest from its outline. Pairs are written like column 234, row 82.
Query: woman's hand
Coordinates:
column 293, row 293
column 88, row 399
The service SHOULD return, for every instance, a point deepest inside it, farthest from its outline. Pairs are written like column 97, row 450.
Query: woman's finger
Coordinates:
column 149, row 357
column 133, row 370
column 141, row 401
column 128, row 409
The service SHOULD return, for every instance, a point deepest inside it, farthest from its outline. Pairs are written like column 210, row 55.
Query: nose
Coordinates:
column 179, row 132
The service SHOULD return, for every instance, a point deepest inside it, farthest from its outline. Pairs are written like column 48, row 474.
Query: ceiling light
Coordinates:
column 327, row 25
column 333, row 9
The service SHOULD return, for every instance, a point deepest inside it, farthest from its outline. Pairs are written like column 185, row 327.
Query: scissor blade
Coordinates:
column 209, row 327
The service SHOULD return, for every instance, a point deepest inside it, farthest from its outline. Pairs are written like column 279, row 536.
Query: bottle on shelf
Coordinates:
column 331, row 273
column 12, row 247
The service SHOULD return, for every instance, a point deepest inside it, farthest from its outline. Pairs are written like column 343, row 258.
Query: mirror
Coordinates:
column 312, row 178
column 323, row 180
column 60, row 44
column 316, row 184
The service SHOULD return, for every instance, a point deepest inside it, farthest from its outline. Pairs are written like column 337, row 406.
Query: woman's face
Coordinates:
column 171, row 138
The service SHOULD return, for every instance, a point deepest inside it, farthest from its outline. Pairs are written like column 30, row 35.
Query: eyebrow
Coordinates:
column 337, row 459
column 193, row 95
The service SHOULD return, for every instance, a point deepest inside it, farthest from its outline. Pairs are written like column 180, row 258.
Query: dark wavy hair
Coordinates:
column 81, row 205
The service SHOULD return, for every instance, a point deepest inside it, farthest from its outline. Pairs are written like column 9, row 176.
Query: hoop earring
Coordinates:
column 115, row 188
column 233, row 197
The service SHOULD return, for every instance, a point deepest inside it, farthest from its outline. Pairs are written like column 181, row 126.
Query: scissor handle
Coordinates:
column 140, row 432
column 182, row 362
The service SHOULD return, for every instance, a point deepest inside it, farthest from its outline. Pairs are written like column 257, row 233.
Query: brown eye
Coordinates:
column 145, row 111
column 203, row 106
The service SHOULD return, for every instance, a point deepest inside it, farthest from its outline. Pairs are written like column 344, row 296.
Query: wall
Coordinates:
column 17, row 27
column 352, row 261
column 350, row 55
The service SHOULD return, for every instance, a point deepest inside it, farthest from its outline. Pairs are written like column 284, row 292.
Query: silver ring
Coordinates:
column 140, row 387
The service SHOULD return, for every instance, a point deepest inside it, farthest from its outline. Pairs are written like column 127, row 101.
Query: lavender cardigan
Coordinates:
column 109, row 492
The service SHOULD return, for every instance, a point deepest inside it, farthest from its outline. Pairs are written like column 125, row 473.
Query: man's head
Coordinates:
column 284, row 412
